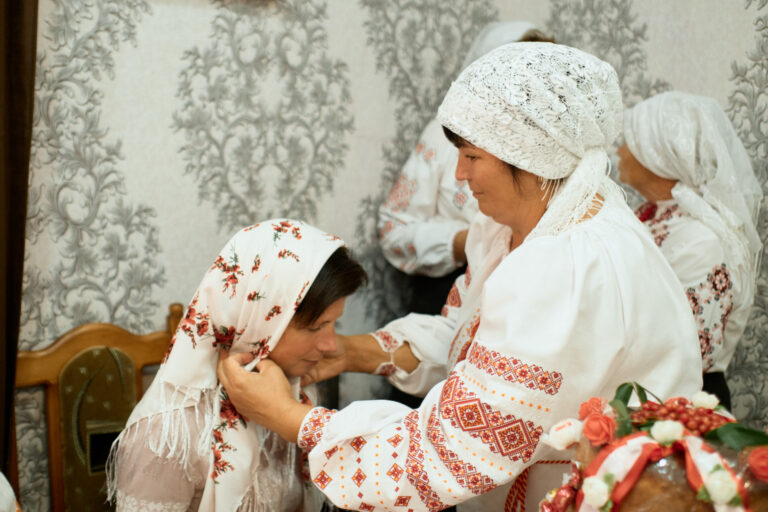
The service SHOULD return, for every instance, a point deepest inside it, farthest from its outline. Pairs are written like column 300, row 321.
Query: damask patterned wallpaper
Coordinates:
column 161, row 126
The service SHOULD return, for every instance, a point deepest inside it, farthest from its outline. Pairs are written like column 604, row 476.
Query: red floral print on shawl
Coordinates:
column 297, row 303
column 231, row 270
column 285, row 253
column 256, row 264
column 276, row 310
column 283, row 227
column 225, row 336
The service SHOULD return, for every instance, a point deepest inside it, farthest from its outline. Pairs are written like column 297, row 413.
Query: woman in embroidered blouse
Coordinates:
column 554, row 307
column 275, row 290
column 424, row 221
column 683, row 155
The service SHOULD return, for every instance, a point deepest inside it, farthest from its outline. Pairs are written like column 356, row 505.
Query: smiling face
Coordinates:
column 510, row 197
column 301, row 347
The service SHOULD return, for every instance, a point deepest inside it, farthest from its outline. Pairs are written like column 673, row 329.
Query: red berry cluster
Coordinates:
column 697, row 420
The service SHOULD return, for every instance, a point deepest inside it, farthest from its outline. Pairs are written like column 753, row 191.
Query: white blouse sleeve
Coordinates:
column 429, row 337
column 551, row 334
column 698, row 259
column 414, row 237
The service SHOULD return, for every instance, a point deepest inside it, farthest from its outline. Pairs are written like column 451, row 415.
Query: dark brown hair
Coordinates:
column 340, row 277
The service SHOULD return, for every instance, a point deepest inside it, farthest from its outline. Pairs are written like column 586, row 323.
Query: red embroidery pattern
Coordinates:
column 402, row 501
column 514, row 370
column 395, row 472
column 386, row 369
column 464, row 339
column 506, row 435
column 366, row 507
column 465, row 474
column 453, row 300
column 312, row 429
column 400, row 196
column 713, row 294
column 322, row 480
column 359, row 477
column 414, row 466
column 358, row 443
column 395, row 440
column 657, row 220
column 467, row 278
column 387, row 341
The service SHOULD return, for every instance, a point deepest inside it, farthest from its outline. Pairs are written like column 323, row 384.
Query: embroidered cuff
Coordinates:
column 388, row 343
column 311, row 430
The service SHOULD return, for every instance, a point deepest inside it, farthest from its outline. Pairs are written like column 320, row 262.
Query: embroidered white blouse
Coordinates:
column 716, row 295
column 525, row 337
column 426, row 208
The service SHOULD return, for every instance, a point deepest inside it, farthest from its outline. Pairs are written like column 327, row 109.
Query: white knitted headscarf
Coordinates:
column 545, row 108
column 688, row 138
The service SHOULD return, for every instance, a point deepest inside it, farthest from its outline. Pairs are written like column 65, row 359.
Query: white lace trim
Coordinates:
column 127, row 503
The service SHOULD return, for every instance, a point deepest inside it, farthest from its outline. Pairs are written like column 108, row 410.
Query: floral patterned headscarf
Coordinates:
column 243, row 304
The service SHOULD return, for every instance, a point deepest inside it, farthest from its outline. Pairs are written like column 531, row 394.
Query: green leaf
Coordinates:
column 608, row 506
column 736, row 501
column 737, row 436
column 640, row 390
column 623, row 422
column 623, row 393
column 703, row 494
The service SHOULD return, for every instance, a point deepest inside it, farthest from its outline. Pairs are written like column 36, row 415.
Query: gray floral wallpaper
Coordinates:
column 160, row 127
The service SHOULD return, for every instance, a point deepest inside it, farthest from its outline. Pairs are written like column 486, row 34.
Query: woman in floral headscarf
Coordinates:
column 683, row 155
column 275, row 290
column 565, row 297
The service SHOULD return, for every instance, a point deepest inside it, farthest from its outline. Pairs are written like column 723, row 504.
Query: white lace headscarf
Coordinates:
column 545, row 108
column 497, row 34
column 244, row 303
column 689, row 138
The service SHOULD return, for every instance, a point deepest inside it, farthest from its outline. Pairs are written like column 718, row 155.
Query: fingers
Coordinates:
column 229, row 365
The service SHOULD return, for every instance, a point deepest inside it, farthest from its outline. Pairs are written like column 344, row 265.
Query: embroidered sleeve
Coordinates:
column 458, row 444
column 414, row 237
column 711, row 301
column 311, row 430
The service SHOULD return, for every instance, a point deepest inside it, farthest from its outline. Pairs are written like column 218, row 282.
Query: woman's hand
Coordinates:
column 331, row 365
column 264, row 396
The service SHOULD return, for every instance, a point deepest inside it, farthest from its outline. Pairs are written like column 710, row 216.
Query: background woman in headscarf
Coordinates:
column 683, row 155
column 275, row 290
column 554, row 307
column 424, row 221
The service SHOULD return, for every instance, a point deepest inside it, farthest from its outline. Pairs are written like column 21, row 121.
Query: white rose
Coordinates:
column 596, row 491
column 705, row 400
column 720, row 486
column 667, row 431
column 563, row 434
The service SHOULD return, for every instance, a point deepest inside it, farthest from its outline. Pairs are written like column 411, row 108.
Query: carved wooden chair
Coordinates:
column 92, row 377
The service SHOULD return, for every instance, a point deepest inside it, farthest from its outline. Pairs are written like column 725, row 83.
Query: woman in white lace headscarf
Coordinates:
column 683, row 155
column 423, row 222
column 275, row 290
column 554, row 307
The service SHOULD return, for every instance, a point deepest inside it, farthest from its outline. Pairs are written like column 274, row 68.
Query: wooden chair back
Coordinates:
column 88, row 360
